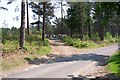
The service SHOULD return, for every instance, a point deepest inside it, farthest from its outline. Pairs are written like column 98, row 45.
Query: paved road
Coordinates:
column 85, row 64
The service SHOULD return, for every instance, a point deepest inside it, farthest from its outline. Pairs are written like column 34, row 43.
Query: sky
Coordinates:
column 7, row 18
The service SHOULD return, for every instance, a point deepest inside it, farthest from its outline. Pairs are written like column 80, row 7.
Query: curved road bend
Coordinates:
column 85, row 64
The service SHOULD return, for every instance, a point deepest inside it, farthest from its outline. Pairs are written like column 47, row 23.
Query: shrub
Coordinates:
column 75, row 42
column 68, row 41
column 85, row 38
column 37, row 47
column 95, row 37
column 81, row 44
column 10, row 46
column 46, row 42
column 44, row 50
column 109, row 38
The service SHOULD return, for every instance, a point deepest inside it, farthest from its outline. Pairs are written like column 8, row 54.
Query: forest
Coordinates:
column 86, row 25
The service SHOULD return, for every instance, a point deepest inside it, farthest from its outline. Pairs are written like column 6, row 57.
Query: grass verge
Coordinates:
column 14, row 57
column 114, row 63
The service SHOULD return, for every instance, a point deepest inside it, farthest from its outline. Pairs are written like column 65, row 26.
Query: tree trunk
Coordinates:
column 100, row 27
column 101, row 33
column 61, row 18
column 44, row 16
column 81, row 23
column 28, row 28
column 71, row 32
column 89, row 25
column 113, row 30
column 38, row 18
column 81, row 32
column 38, row 23
column 89, row 20
column 89, row 31
column 22, row 28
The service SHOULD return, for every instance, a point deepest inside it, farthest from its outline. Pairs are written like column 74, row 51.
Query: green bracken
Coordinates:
column 13, row 56
column 33, row 42
column 94, row 42
column 78, row 43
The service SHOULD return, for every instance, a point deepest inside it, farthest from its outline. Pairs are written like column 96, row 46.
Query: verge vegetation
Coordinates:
column 114, row 63
column 13, row 56
column 86, row 43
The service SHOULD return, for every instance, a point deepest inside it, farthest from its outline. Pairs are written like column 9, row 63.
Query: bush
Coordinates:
column 68, row 41
column 75, row 42
column 10, row 34
column 10, row 46
column 44, row 50
column 46, row 42
column 32, row 37
column 95, row 37
column 81, row 44
column 37, row 47
column 118, row 39
column 109, row 38
column 85, row 38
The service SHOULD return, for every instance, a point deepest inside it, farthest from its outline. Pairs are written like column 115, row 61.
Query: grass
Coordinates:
column 114, row 63
column 14, row 60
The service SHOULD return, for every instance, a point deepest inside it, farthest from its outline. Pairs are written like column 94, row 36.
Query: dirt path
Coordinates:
column 60, row 48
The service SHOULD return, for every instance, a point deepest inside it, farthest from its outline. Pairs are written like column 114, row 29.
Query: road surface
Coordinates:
column 88, row 64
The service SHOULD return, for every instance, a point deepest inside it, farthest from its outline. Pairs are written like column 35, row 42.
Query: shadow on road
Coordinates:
column 109, row 76
column 52, row 58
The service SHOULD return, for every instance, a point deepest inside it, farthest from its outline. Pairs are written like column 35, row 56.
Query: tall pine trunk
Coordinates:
column 22, row 28
column 100, row 27
column 89, row 31
column 38, row 18
column 89, row 24
column 101, row 33
column 81, row 32
column 38, row 23
column 61, row 18
column 71, row 33
column 44, row 16
column 113, row 30
column 81, row 23
column 28, row 28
